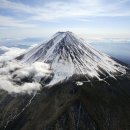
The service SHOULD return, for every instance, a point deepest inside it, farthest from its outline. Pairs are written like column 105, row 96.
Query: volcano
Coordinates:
column 70, row 55
column 89, row 90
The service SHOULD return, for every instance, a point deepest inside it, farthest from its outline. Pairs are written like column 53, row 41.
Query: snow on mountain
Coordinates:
column 68, row 54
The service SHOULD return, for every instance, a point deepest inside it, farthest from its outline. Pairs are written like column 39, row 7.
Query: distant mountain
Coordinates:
column 89, row 90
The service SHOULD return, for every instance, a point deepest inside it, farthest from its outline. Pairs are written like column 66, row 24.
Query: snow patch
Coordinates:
column 79, row 83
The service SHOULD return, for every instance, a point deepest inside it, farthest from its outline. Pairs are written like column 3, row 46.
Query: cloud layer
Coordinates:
column 10, row 53
column 17, row 77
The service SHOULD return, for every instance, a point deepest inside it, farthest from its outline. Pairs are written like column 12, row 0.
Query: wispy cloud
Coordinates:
column 54, row 10
column 22, row 14
column 7, row 4
column 6, row 21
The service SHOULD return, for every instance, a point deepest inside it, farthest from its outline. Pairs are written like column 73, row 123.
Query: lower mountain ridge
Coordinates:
column 97, row 105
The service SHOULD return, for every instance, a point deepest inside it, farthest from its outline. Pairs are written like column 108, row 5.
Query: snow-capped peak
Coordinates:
column 70, row 55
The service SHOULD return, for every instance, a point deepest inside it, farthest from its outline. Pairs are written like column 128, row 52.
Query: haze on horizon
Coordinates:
column 42, row 18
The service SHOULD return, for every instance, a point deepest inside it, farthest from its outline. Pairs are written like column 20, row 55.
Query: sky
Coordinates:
column 43, row 18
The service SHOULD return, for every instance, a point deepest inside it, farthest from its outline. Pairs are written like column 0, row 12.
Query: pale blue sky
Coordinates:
column 87, row 18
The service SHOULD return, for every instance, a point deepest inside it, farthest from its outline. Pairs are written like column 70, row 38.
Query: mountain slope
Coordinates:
column 94, row 93
column 68, row 54
column 96, row 106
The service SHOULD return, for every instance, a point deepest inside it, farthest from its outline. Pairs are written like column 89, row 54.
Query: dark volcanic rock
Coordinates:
column 91, row 106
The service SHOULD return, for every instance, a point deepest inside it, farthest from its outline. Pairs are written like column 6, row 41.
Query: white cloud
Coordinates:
column 29, row 18
column 7, row 21
column 8, row 86
column 15, row 6
column 79, row 9
column 10, row 53
column 13, row 52
column 36, row 71
column 55, row 10
column 12, row 74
